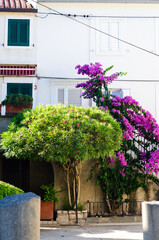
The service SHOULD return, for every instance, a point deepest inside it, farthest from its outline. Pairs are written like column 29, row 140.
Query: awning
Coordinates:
column 18, row 70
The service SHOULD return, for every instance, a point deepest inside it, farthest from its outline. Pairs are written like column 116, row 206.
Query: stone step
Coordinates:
column 114, row 219
column 48, row 223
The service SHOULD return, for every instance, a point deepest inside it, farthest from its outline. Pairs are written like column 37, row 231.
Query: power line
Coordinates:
column 80, row 79
column 91, row 27
column 98, row 16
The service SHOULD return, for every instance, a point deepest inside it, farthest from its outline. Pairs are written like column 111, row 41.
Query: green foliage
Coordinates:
column 7, row 189
column 61, row 133
column 114, row 185
column 18, row 100
column 66, row 206
column 50, row 193
column 80, row 206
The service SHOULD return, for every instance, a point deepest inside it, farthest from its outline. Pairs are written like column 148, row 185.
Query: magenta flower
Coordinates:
column 121, row 158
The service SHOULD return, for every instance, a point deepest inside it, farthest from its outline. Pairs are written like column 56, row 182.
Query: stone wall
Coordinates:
column 89, row 190
column 69, row 217
column 4, row 122
column 93, row 193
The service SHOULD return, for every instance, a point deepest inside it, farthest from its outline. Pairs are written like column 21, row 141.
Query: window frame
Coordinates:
column 30, row 46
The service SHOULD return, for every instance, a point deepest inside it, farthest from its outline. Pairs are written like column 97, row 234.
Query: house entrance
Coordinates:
column 27, row 175
column 16, row 172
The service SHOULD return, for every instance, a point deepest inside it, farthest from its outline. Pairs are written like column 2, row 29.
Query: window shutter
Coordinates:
column 104, row 39
column 115, row 33
column 12, row 88
column 24, row 27
column 12, row 32
column 61, row 95
column 74, row 97
column 26, row 89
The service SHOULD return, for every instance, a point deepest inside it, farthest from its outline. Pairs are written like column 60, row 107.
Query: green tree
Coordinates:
column 64, row 134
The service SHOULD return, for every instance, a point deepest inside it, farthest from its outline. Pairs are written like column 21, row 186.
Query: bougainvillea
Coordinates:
column 138, row 155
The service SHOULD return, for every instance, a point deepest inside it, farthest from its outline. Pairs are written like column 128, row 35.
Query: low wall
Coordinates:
column 69, row 217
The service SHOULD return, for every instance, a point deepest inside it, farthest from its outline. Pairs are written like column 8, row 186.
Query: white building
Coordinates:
column 18, row 49
column 56, row 43
column 64, row 42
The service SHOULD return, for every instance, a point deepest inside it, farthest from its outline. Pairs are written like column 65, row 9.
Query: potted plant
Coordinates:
column 16, row 103
column 49, row 197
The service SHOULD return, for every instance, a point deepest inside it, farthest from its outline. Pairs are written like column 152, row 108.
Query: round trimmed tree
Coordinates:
column 64, row 134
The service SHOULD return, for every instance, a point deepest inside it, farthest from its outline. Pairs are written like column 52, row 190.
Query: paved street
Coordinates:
column 95, row 232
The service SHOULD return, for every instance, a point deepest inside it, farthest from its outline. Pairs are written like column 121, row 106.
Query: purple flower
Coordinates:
column 122, row 172
column 121, row 158
column 109, row 159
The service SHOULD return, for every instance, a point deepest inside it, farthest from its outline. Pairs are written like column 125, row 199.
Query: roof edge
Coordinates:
column 18, row 10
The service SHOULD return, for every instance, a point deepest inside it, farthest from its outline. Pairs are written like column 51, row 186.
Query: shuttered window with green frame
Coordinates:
column 18, row 32
column 16, row 88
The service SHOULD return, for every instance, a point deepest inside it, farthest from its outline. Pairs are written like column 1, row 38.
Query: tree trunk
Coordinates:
column 77, row 180
column 108, row 203
column 68, row 187
column 66, row 168
column 74, row 192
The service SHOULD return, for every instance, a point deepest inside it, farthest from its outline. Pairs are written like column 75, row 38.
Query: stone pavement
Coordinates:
column 131, row 231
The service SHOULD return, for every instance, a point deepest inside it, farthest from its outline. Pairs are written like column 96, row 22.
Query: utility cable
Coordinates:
column 97, row 16
column 80, row 79
column 97, row 30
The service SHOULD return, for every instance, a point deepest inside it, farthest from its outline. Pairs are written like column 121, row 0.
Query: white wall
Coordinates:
column 64, row 43
column 18, row 55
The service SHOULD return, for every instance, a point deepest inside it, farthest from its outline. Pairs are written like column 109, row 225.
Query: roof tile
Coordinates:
column 16, row 5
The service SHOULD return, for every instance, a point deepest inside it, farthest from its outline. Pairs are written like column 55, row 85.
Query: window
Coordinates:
column 23, row 88
column 117, row 92
column 61, row 95
column 105, row 43
column 69, row 96
column 18, row 32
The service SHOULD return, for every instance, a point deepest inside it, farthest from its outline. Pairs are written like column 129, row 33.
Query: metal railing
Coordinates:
column 131, row 208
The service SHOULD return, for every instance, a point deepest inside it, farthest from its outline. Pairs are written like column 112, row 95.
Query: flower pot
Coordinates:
column 13, row 109
column 47, row 210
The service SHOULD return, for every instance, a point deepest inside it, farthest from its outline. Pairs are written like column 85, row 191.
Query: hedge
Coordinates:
column 8, row 189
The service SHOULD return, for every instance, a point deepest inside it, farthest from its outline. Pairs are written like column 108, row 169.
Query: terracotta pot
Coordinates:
column 47, row 210
column 10, row 108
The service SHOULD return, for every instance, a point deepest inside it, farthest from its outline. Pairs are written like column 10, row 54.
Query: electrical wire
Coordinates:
column 98, row 16
column 80, row 79
column 97, row 30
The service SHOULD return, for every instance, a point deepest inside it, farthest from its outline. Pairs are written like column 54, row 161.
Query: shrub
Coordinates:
column 8, row 189
column 18, row 100
column 50, row 193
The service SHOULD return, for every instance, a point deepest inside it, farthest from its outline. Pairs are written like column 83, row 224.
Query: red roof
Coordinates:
column 16, row 6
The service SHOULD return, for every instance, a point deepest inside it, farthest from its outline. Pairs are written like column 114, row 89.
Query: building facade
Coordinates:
column 72, row 37
column 18, row 49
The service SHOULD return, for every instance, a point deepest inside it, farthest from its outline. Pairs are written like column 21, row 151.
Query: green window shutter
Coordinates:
column 26, row 89
column 23, row 88
column 18, row 32
column 12, row 88
column 12, row 32
column 24, row 27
